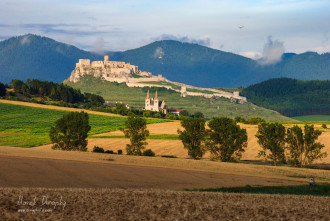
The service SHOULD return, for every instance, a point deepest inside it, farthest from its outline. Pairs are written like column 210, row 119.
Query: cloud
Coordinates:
column 25, row 40
column 99, row 46
column 159, row 53
column 205, row 41
column 272, row 53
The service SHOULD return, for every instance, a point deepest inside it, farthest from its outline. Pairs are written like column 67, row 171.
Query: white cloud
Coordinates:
column 272, row 53
column 25, row 40
column 159, row 53
column 251, row 54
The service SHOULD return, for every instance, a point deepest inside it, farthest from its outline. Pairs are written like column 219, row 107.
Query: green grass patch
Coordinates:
column 152, row 136
column 324, row 118
column 200, row 91
column 316, row 190
column 136, row 76
column 174, row 86
column 24, row 126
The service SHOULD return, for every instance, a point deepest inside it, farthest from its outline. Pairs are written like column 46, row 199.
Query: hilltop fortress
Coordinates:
column 121, row 72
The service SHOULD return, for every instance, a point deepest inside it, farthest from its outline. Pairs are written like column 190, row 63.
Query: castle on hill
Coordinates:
column 153, row 104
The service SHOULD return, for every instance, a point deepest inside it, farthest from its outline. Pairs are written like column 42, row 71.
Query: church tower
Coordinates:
column 147, row 102
column 156, row 102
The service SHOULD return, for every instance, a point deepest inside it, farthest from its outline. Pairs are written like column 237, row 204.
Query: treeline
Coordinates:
column 291, row 97
column 55, row 91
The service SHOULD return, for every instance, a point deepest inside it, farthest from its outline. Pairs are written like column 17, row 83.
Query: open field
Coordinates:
column 27, row 126
column 209, row 107
column 313, row 118
column 139, row 204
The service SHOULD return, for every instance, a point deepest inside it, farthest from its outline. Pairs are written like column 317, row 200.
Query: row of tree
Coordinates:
column 55, row 91
column 224, row 139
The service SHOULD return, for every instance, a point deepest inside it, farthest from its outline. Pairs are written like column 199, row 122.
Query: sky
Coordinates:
column 257, row 29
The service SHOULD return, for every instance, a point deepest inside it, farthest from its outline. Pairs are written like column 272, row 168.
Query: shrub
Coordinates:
column 120, row 152
column 324, row 126
column 255, row 120
column 149, row 153
column 97, row 149
column 109, row 151
column 168, row 156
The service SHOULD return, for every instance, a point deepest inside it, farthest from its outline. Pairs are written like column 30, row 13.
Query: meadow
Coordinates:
column 325, row 118
column 24, row 126
column 210, row 107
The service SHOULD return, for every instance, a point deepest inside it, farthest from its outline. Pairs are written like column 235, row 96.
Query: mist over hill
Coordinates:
column 32, row 56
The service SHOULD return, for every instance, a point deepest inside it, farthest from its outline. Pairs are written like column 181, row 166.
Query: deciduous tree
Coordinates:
column 271, row 137
column 193, row 136
column 136, row 130
column 226, row 139
column 70, row 132
column 303, row 146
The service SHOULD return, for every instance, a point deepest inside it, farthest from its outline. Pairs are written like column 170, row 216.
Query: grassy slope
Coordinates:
column 136, row 96
column 29, row 126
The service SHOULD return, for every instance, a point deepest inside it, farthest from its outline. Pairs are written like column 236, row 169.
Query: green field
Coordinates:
column 313, row 118
column 24, row 126
column 317, row 190
column 210, row 107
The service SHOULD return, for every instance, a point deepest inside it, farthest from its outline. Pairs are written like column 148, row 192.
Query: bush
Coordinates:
column 256, row 120
column 109, row 151
column 168, row 156
column 97, row 149
column 324, row 126
column 149, row 153
column 120, row 152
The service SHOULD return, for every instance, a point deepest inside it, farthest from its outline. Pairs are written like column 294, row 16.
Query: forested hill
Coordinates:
column 32, row 56
column 291, row 97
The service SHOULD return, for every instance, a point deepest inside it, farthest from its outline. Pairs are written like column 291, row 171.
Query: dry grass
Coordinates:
column 137, row 204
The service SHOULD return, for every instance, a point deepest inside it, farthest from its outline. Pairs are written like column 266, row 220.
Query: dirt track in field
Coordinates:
column 33, row 172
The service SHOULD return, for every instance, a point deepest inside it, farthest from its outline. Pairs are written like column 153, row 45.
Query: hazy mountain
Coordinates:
column 32, row 56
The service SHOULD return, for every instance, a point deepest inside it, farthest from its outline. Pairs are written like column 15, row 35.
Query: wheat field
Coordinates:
column 151, row 204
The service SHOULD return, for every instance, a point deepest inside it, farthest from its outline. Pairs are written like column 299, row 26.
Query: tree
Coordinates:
column 198, row 115
column 184, row 113
column 136, row 130
column 70, row 132
column 193, row 136
column 271, row 137
column 17, row 85
column 226, row 139
column 2, row 90
column 303, row 146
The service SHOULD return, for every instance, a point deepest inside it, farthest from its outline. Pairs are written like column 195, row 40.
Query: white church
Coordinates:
column 153, row 104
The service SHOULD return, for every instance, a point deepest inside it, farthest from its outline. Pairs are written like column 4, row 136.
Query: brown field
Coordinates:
column 281, row 174
column 139, row 204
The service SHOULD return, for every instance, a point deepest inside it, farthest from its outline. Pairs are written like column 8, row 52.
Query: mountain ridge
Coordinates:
column 33, row 56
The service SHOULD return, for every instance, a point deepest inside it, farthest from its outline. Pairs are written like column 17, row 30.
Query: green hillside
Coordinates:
column 23, row 126
column 114, row 92
column 291, row 97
